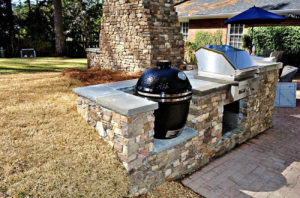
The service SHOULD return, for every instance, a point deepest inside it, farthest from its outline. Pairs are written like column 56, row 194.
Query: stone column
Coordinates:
column 137, row 33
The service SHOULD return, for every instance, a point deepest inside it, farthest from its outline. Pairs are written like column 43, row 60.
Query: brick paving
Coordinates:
column 268, row 166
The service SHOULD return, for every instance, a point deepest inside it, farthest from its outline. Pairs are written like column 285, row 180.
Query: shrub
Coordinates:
column 201, row 39
column 279, row 38
column 247, row 41
column 206, row 38
column 189, row 49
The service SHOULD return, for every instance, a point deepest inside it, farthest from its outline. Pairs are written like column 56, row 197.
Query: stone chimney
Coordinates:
column 137, row 33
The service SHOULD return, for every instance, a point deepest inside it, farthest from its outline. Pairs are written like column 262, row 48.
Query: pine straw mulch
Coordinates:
column 97, row 75
column 48, row 150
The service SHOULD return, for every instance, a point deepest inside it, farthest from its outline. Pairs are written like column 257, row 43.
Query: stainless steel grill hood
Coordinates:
column 225, row 62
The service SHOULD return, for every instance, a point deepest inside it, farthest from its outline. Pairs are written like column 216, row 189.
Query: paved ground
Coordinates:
column 267, row 166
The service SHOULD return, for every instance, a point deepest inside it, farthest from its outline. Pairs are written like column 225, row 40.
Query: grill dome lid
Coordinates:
column 240, row 59
column 163, row 79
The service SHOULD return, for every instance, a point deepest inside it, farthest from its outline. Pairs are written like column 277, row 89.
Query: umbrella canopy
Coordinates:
column 255, row 15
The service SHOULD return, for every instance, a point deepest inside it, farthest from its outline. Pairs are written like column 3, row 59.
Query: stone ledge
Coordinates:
column 113, row 96
column 203, row 86
column 126, row 104
column 161, row 145
column 122, row 84
column 269, row 66
column 92, row 50
column 93, row 92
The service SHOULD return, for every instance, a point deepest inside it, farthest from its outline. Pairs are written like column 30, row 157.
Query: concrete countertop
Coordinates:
column 92, row 49
column 202, row 87
column 114, row 96
column 268, row 66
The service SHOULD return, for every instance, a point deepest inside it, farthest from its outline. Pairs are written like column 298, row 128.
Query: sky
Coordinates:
column 16, row 2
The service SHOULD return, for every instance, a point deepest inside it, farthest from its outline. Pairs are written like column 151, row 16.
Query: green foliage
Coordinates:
column 82, row 20
column 201, row 39
column 206, row 38
column 34, row 26
column 278, row 38
column 247, row 41
column 189, row 49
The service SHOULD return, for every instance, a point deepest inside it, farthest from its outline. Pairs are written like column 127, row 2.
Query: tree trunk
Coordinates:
column 58, row 26
column 11, row 26
column 29, row 5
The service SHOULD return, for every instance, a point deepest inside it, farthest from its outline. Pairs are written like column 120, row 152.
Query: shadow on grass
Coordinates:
column 18, row 70
column 33, row 69
column 44, row 64
column 12, row 66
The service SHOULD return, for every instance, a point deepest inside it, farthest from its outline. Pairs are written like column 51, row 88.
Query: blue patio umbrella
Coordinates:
column 255, row 15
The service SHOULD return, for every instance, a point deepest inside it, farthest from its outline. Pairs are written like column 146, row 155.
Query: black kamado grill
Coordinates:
column 171, row 88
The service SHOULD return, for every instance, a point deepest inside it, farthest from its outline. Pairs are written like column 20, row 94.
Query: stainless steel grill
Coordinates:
column 225, row 64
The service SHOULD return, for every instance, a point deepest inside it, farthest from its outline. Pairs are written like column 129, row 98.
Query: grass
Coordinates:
column 48, row 150
column 53, row 64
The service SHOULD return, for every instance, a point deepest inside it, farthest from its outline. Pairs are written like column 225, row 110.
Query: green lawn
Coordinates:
column 45, row 64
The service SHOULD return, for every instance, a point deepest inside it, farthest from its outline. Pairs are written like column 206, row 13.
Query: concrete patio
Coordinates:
column 266, row 166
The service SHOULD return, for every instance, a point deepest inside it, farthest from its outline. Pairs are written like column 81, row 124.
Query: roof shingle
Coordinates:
column 211, row 7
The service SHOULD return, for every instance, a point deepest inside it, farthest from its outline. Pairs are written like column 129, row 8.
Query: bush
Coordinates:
column 206, row 38
column 201, row 39
column 247, row 41
column 189, row 49
column 279, row 38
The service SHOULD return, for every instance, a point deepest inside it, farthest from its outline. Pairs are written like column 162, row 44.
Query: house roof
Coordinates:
column 194, row 8
column 176, row 2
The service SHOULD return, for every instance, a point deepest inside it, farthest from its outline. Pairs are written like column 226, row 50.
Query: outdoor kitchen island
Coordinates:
column 216, row 124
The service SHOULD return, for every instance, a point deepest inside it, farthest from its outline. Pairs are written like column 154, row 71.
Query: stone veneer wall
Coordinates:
column 255, row 116
column 93, row 57
column 132, row 137
column 136, row 33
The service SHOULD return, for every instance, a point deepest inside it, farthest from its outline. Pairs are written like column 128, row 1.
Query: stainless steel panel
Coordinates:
column 210, row 61
column 245, row 73
column 240, row 59
column 244, row 88
column 231, row 66
column 163, row 95
column 224, row 60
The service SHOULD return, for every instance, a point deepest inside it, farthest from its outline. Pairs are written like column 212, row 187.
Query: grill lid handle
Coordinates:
column 163, row 64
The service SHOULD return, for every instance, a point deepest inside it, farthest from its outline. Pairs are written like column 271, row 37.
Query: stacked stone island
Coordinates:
column 126, row 122
column 137, row 33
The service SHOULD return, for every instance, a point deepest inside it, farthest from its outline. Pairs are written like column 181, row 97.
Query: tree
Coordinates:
column 81, row 23
column 10, row 24
column 58, row 27
column 29, row 5
column 7, row 33
column 32, row 26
